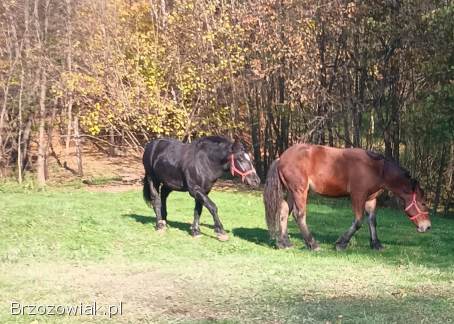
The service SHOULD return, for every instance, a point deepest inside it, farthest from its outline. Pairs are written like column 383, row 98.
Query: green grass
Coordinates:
column 69, row 246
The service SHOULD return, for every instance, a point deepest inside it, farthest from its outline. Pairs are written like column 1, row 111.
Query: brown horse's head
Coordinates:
column 415, row 207
column 399, row 181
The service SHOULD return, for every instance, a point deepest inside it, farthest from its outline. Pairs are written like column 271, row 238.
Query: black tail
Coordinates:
column 273, row 196
column 146, row 190
column 148, row 193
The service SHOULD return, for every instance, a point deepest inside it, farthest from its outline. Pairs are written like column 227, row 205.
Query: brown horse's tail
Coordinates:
column 273, row 196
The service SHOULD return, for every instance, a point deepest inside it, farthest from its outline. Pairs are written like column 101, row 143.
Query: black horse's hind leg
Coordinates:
column 198, row 194
column 165, row 191
column 370, row 209
column 195, row 229
column 156, row 202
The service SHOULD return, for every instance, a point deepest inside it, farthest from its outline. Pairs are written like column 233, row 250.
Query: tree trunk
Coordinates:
column 112, row 142
column 450, row 182
column 441, row 168
column 254, row 116
column 346, row 130
column 78, row 147
column 19, row 135
column 42, row 152
column 42, row 143
column 69, row 66
column 356, row 126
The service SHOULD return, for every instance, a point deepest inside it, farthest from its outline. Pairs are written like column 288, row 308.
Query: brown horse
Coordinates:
column 334, row 172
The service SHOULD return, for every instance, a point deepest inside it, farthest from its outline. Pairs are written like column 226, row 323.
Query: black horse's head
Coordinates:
column 241, row 164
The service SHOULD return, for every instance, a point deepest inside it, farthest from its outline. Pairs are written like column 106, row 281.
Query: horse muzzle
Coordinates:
column 423, row 226
column 252, row 180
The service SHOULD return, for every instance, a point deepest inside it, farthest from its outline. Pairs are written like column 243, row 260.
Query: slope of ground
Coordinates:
column 72, row 246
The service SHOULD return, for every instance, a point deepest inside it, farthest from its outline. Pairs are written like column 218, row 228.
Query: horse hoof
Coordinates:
column 377, row 246
column 315, row 248
column 196, row 234
column 341, row 246
column 161, row 226
column 284, row 246
column 222, row 237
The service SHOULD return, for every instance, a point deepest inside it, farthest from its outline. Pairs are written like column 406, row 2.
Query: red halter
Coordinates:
column 233, row 169
column 414, row 204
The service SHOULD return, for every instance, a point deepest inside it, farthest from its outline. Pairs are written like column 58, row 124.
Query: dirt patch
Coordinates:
column 104, row 173
column 146, row 292
column 114, row 187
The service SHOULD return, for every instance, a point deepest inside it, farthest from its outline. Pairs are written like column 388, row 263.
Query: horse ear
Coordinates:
column 414, row 184
column 236, row 146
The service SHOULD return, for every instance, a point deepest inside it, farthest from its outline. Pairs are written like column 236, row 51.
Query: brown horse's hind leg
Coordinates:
column 358, row 208
column 370, row 209
column 283, row 241
column 299, row 212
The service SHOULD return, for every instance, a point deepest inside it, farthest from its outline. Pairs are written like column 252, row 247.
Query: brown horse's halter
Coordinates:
column 420, row 212
column 233, row 169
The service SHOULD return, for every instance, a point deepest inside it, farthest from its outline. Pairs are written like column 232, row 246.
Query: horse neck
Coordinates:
column 218, row 159
column 394, row 180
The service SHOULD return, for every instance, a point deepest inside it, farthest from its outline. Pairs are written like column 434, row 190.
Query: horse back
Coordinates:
column 329, row 171
column 162, row 161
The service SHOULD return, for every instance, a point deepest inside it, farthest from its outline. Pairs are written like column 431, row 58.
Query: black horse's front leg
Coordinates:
column 195, row 229
column 165, row 191
column 199, row 195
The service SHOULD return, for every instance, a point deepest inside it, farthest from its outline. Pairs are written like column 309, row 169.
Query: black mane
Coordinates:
column 212, row 139
column 378, row 156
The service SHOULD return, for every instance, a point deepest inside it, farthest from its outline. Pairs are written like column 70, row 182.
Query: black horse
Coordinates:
column 172, row 165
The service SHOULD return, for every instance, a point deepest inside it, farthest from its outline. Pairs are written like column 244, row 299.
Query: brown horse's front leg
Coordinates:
column 342, row 242
column 374, row 241
column 358, row 208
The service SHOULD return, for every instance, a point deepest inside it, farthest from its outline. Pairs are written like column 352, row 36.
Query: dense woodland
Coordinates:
column 117, row 73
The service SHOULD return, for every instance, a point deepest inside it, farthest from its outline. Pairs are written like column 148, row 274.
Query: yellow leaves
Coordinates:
column 311, row 24
column 162, row 79
column 80, row 84
column 209, row 36
column 90, row 120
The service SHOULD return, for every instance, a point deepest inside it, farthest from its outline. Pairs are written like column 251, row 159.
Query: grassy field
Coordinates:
column 67, row 246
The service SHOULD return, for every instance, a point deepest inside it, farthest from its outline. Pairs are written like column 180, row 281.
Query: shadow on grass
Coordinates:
column 300, row 307
column 260, row 236
column 185, row 227
column 255, row 235
column 429, row 249
column 432, row 249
